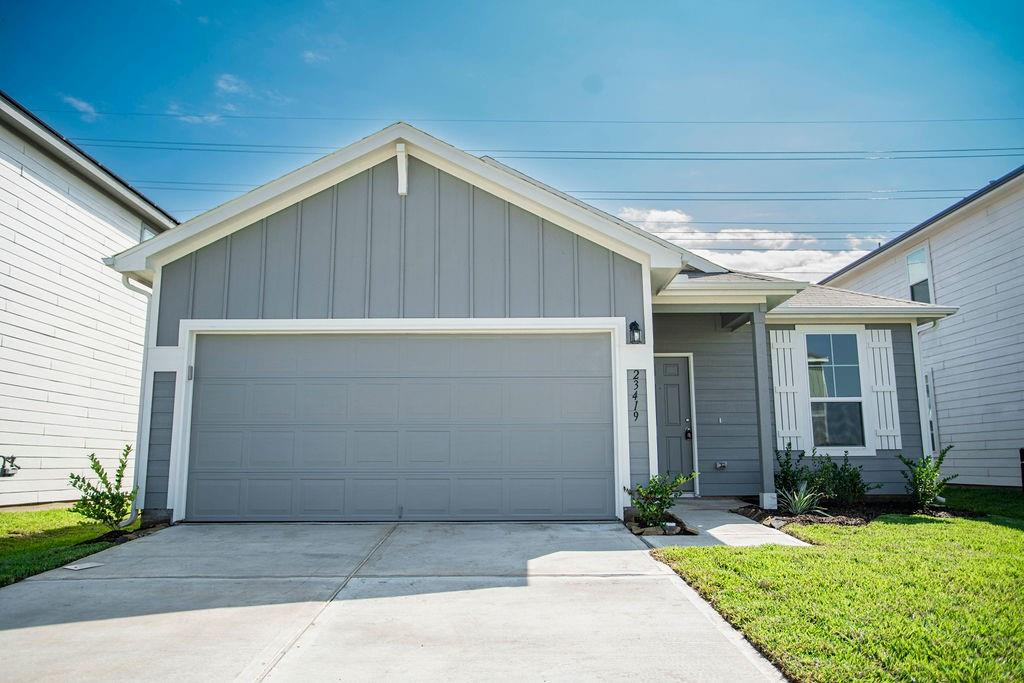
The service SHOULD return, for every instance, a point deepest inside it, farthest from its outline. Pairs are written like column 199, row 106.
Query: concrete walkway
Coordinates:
column 290, row 602
column 718, row 526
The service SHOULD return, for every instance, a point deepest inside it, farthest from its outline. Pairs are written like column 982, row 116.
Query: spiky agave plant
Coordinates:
column 802, row 501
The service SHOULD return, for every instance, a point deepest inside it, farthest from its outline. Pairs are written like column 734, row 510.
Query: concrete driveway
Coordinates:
column 371, row 601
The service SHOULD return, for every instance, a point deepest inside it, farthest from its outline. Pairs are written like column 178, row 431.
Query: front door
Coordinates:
column 675, row 429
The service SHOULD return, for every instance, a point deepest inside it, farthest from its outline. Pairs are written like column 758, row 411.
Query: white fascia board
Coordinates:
column 860, row 314
column 711, row 298
column 368, row 152
column 81, row 165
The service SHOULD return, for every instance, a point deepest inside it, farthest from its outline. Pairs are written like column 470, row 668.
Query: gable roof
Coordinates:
column 666, row 259
column 966, row 201
column 820, row 300
column 37, row 131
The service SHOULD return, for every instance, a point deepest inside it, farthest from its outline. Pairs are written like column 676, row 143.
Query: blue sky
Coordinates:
column 192, row 72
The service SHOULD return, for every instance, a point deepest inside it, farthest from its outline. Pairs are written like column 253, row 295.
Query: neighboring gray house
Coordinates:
column 969, row 256
column 71, row 335
column 401, row 330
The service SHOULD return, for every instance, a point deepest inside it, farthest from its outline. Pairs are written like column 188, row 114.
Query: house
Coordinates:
column 401, row 330
column 967, row 256
column 71, row 335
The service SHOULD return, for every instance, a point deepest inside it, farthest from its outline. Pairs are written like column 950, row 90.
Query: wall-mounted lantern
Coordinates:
column 635, row 334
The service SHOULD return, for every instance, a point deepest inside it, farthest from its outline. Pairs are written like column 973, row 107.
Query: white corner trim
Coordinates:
column 403, row 169
column 189, row 330
column 922, row 399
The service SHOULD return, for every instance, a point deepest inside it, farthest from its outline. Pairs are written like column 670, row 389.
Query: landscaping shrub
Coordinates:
column 105, row 503
column 791, row 470
column 840, row 485
column 801, row 501
column 651, row 502
column 925, row 482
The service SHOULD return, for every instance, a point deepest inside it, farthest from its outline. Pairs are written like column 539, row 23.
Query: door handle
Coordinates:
column 688, row 435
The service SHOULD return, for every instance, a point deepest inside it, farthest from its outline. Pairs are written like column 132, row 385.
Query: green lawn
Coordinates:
column 904, row 598
column 1003, row 502
column 33, row 542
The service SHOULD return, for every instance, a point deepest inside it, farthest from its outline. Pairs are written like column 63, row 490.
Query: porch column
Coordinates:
column 762, row 388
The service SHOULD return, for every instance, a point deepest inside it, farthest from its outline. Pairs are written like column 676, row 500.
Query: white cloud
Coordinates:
column 195, row 119
column 87, row 111
column 203, row 20
column 314, row 57
column 229, row 84
column 752, row 249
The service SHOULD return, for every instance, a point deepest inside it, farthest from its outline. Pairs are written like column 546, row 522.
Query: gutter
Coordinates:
column 126, row 281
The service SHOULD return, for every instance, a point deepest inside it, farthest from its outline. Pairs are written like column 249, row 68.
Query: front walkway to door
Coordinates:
column 424, row 601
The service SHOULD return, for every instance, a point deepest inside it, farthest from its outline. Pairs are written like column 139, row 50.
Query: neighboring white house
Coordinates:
column 70, row 333
column 972, row 256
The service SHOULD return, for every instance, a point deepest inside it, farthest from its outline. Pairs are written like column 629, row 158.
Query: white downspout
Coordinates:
column 126, row 281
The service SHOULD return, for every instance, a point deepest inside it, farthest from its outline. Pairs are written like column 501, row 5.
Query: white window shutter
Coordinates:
column 786, row 363
column 883, row 389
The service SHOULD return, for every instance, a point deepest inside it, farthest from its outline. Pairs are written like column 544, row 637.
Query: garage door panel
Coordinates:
column 375, row 449
column 321, row 498
column 425, row 401
column 322, row 450
column 268, row 498
column 220, row 402
column 214, row 449
column 478, row 449
column 426, row 498
column 324, row 402
column 478, row 497
column 534, row 497
column 272, row 402
column 371, row 498
column 374, row 427
column 270, row 450
column 427, row 449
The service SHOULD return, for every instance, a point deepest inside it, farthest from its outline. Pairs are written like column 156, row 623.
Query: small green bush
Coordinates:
column 105, row 503
column 925, row 482
column 791, row 470
column 651, row 502
column 801, row 501
column 841, row 485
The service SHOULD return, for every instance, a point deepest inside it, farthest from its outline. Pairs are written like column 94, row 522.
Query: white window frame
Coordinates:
column 928, row 267
column 868, row 412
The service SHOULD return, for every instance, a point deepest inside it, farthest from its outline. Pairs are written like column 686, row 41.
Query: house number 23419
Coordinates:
column 636, row 395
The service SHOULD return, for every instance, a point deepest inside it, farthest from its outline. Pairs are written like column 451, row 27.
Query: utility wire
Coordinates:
column 742, row 122
column 564, row 151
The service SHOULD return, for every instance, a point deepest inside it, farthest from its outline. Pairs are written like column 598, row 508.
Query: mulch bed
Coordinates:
column 855, row 516
column 120, row 536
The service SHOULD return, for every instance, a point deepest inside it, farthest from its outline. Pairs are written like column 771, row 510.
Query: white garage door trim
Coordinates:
column 614, row 328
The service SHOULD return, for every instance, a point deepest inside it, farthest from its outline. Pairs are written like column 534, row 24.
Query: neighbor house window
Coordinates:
column 917, row 269
column 836, row 395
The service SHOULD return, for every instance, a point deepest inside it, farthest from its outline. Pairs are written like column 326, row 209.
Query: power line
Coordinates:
column 869, row 157
column 563, row 151
column 310, row 117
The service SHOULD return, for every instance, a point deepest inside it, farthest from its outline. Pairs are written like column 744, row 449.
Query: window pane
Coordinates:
column 919, row 292
column 844, row 349
column 817, row 381
column 818, row 348
column 847, row 381
column 837, row 424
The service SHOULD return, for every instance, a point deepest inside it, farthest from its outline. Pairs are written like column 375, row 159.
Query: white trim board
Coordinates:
column 693, row 418
column 189, row 330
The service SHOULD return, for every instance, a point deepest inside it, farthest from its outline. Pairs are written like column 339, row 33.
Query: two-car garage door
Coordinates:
column 386, row 427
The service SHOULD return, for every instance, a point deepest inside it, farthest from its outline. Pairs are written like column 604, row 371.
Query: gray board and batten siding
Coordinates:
column 413, row 427
column 360, row 250
column 884, row 467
